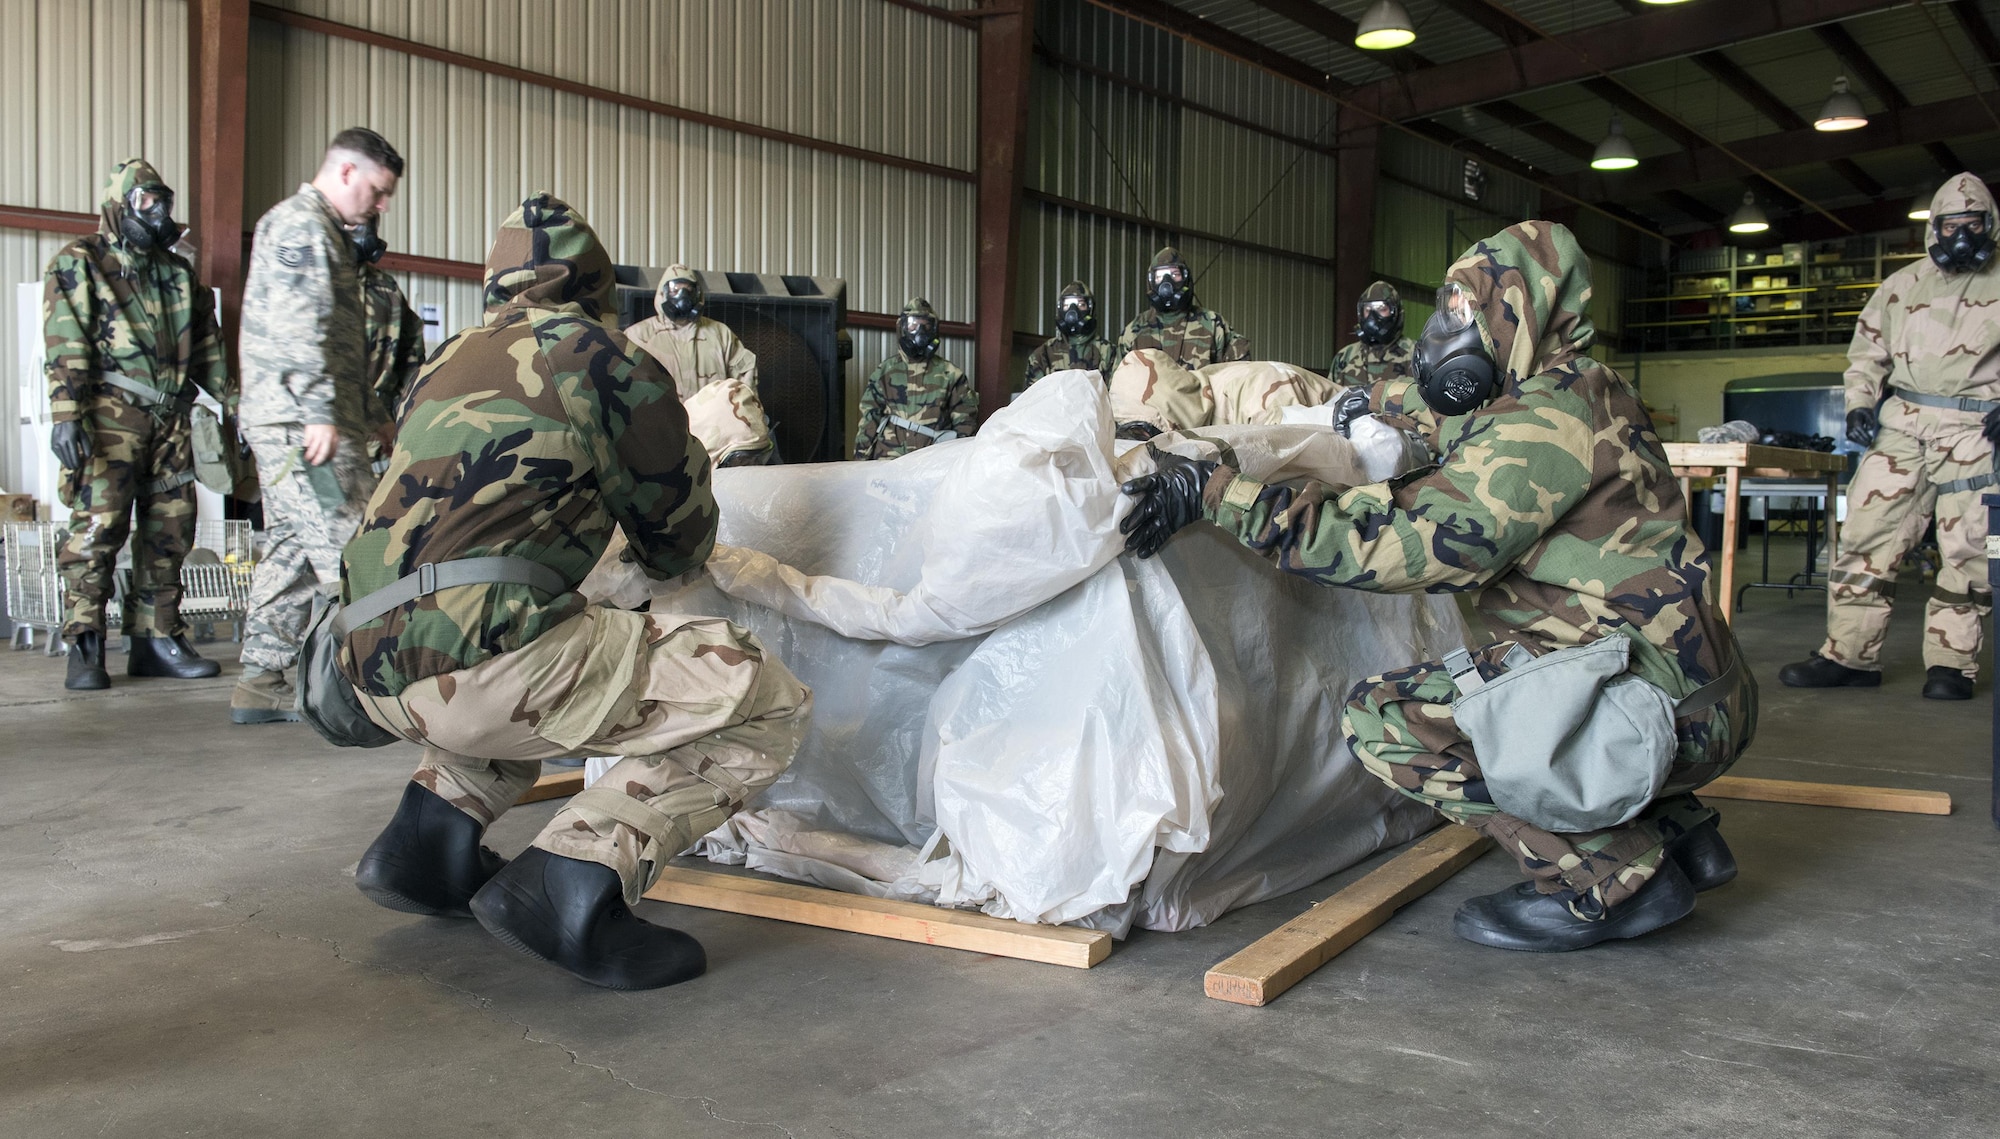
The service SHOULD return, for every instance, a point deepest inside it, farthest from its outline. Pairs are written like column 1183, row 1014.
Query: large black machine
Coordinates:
column 1455, row 372
column 1962, row 242
column 1076, row 312
column 148, row 222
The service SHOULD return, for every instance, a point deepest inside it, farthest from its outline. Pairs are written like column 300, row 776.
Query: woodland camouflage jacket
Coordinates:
column 537, row 434
column 108, row 308
column 1554, row 503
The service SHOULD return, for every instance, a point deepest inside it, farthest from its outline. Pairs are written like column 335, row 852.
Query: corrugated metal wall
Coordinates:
column 85, row 83
column 656, row 188
column 1102, row 143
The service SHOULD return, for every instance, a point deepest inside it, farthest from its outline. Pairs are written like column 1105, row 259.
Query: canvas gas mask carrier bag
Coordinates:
column 326, row 700
column 1571, row 741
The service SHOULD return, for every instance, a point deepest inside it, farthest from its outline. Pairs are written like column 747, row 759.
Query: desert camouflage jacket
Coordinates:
column 928, row 395
column 696, row 353
column 1929, row 331
column 1062, row 353
column 536, row 434
column 1554, row 503
column 1195, row 338
column 1359, row 363
column 303, row 348
column 106, row 308
column 395, row 342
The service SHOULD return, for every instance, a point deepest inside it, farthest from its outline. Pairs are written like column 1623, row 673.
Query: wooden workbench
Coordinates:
column 1732, row 462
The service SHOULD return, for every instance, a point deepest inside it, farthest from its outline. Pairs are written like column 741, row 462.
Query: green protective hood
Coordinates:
column 1167, row 255
column 1530, row 286
column 547, row 256
column 127, row 176
column 918, row 306
column 1381, row 291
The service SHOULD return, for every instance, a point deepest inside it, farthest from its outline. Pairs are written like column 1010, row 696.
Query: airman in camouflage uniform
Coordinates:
column 1076, row 344
column 696, row 350
column 538, row 435
column 305, row 355
column 914, row 397
column 1926, row 351
column 131, row 336
column 1381, row 351
column 394, row 335
column 714, row 373
column 1194, row 336
column 1555, row 505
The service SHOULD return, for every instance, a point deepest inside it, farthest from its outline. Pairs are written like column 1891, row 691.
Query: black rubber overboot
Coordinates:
column 1703, row 857
column 167, row 656
column 428, row 859
column 572, row 913
column 86, row 663
column 1943, row 683
column 1523, row 918
column 1818, row 672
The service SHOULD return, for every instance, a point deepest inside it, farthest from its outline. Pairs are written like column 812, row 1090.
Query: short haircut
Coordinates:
column 369, row 145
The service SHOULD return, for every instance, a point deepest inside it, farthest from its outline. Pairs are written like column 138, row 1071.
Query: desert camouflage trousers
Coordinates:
column 139, row 464
column 703, row 717
column 1400, row 727
column 1920, row 465
column 309, row 514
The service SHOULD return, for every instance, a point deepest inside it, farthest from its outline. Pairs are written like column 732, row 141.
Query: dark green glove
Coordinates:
column 1169, row 499
column 1347, row 407
column 1862, row 426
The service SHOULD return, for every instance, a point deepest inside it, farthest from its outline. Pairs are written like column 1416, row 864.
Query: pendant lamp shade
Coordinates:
column 1842, row 112
column 1749, row 217
column 1615, row 152
column 1385, row 25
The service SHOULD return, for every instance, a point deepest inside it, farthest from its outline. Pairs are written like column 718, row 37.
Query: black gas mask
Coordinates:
column 1076, row 315
column 1455, row 372
column 368, row 244
column 1969, row 245
column 1381, row 322
column 917, row 334
column 685, row 299
column 148, row 222
column 1169, row 287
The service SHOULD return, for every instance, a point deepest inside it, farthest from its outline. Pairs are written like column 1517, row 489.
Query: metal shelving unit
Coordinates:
column 1735, row 298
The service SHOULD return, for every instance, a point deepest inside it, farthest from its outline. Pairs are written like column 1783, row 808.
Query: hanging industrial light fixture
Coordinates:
column 1663, row 2
column 1385, row 25
column 1842, row 112
column 1749, row 217
column 1920, row 208
column 1615, row 152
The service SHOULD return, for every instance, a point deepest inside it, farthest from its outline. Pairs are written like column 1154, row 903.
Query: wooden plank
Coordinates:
column 554, row 785
column 1287, row 955
column 1732, row 508
column 878, row 917
column 1787, row 459
column 1829, row 795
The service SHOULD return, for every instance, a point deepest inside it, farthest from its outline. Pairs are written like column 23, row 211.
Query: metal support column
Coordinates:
column 218, row 81
column 1354, row 218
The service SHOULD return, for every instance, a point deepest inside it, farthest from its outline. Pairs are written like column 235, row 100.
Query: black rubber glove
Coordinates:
column 1347, row 407
column 1862, row 426
column 71, row 443
column 1992, row 427
column 1169, row 499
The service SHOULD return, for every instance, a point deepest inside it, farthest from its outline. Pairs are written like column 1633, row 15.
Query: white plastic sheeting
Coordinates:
column 1010, row 715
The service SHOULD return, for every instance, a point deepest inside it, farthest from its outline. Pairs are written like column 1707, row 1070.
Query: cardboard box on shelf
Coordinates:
column 1774, row 259
column 1760, row 282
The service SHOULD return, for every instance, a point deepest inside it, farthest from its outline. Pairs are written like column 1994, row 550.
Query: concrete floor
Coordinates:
column 184, row 953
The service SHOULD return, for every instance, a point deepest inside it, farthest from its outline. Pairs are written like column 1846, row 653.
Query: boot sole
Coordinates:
column 391, row 900
column 217, row 671
column 512, row 941
column 1865, row 680
column 262, row 716
column 88, row 685
column 1947, row 696
column 1507, row 939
